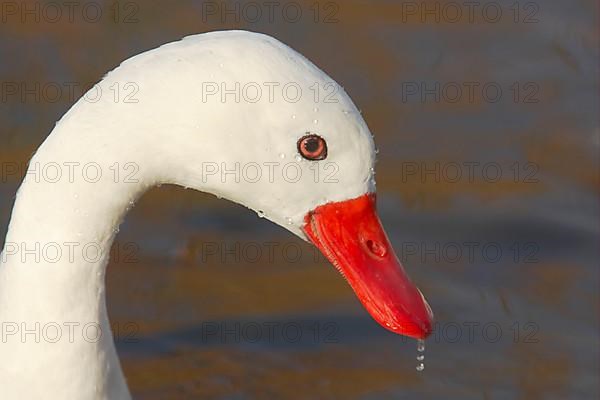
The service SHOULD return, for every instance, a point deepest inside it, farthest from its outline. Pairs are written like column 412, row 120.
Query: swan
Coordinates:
column 52, row 291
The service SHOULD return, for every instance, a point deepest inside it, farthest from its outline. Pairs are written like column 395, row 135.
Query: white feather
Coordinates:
column 171, row 134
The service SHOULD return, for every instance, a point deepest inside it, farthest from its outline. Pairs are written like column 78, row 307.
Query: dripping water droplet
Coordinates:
column 420, row 357
column 261, row 214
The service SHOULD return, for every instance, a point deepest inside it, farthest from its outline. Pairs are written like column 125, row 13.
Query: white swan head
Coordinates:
column 245, row 117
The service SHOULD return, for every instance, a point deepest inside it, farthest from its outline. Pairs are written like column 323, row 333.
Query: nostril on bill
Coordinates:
column 376, row 248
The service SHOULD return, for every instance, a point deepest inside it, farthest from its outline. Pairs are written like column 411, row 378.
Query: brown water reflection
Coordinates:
column 168, row 293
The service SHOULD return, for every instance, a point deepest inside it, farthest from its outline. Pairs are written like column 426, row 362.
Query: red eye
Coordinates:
column 312, row 147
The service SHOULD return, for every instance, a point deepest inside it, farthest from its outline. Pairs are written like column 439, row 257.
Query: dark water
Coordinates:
column 509, row 265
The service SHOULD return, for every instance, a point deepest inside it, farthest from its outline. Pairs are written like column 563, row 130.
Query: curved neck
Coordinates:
column 52, row 270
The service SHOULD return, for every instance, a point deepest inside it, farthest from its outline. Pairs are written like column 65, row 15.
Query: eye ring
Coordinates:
column 312, row 147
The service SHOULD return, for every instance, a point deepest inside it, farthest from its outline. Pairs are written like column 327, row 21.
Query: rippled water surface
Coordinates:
column 509, row 265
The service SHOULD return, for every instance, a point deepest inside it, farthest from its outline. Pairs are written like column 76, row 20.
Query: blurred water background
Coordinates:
column 520, row 324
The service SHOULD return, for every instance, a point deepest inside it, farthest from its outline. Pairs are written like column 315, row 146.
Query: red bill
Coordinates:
column 350, row 235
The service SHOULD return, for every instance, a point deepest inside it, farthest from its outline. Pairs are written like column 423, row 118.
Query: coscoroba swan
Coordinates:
column 185, row 116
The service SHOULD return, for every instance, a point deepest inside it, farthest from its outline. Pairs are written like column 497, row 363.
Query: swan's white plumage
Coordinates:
column 170, row 134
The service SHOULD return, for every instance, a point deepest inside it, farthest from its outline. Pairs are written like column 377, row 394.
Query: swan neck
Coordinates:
column 52, row 272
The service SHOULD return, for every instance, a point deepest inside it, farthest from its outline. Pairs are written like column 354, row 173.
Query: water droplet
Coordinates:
column 294, row 116
column 282, row 155
column 345, row 112
column 76, row 196
column 316, row 121
column 420, row 356
column 221, row 65
column 261, row 214
column 289, row 220
column 298, row 158
column 376, row 151
column 316, row 109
